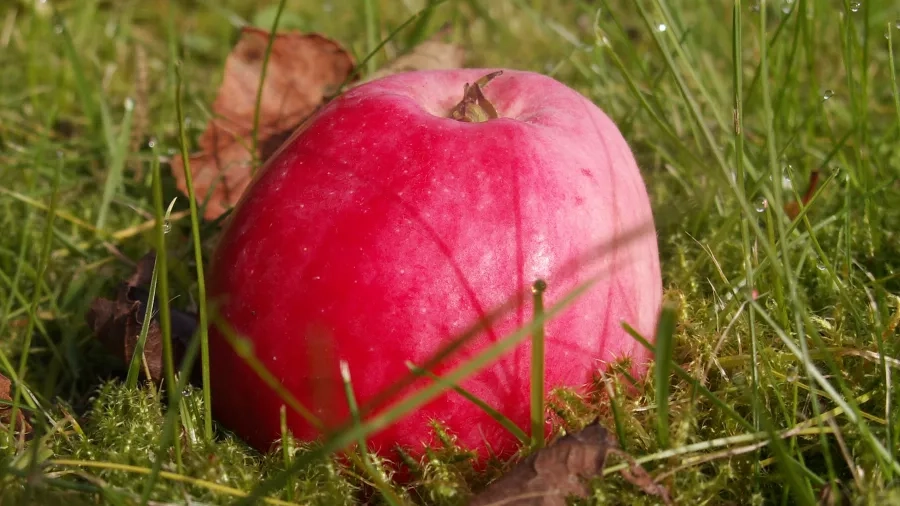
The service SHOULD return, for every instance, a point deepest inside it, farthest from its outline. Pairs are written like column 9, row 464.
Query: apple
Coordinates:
column 403, row 214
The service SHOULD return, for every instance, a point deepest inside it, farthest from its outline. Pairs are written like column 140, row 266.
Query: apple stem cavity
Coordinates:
column 475, row 107
column 537, row 366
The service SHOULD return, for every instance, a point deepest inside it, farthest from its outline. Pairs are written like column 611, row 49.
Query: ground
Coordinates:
column 778, row 381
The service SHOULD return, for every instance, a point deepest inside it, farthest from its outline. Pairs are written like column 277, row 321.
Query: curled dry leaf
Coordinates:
column 553, row 473
column 117, row 323
column 550, row 475
column 303, row 69
column 6, row 397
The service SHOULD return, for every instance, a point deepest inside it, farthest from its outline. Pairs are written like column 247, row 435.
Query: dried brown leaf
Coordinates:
column 429, row 55
column 639, row 477
column 6, row 397
column 550, row 475
column 303, row 69
column 792, row 209
column 553, row 473
column 117, row 323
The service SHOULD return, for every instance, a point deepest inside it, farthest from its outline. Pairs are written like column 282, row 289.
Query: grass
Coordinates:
column 776, row 366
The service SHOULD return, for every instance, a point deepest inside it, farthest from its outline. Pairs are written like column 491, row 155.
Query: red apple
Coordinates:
column 385, row 228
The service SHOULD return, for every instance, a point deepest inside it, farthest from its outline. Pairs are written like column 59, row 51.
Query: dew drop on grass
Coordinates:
column 151, row 143
column 786, row 182
column 827, row 94
column 167, row 227
column 897, row 24
column 793, row 375
column 836, row 170
column 854, row 6
column 820, row 266
column 761, row 204
column 661, row 27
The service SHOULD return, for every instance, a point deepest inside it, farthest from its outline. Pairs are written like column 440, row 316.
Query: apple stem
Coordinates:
column 475, row 107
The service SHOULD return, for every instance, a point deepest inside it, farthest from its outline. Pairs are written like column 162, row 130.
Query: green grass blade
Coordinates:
column 507, row 424
column 117, row 155
column 389, row 496
column 43, row 263
column 537, row 366
column 695, row 384
column 84, row 90
column 197, row 243
column 372, row 36
column 169, row 433
column 137, row 358
column 665, row 344
column 350, row 433
column 243, row 347
column 892, row 66
column 254, row 135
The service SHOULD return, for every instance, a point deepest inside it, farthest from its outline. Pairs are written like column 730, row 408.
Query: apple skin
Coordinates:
column 383, row 229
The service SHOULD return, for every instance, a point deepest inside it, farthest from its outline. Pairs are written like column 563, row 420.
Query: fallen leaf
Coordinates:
column 553, row 473
column 303, row 69
column 117, row 323
column 550, row 475
column 302, row 72
column 792, row 209
column 639, row 477
column 6, row 397
column 431, row 54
